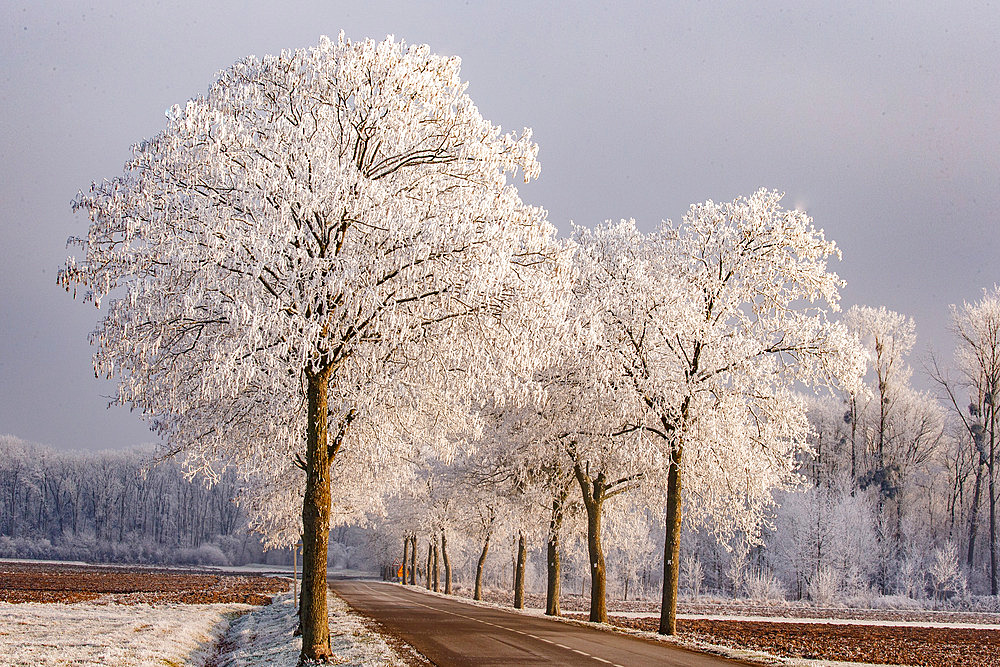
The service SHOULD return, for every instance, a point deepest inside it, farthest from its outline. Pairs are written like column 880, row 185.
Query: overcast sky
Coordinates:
column 883, row 122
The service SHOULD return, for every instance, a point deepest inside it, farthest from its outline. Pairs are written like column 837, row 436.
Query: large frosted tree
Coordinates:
column 593, row 407
column 757, row 302
column 713, row 323
column 286, row 245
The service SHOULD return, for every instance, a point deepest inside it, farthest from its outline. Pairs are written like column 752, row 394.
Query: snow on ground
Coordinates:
column 133, row 635
column 264, row 637
column 42, row 562
column 110, row 634
column 804, row 619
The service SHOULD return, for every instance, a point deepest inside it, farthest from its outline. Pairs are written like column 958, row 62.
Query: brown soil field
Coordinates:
column 62, row 582
column 877, row 644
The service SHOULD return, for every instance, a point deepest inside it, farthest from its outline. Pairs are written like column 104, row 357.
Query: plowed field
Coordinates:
column 59, row 582
column 878, row 644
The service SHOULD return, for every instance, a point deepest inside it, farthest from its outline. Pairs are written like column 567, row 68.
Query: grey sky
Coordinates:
column 883, row 122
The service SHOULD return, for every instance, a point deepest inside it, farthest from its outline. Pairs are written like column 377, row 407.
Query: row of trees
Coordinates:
column 318, row 274
column 889, row 498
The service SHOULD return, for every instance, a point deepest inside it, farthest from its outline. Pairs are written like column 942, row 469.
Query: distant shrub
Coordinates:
column 912, row 582
column 824, row 586
column 692, row 574
column 946, row 574
column 25, row 547
column 761, row 584
column 206, row 554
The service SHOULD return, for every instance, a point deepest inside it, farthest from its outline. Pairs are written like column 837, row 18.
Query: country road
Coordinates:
column 449, row 632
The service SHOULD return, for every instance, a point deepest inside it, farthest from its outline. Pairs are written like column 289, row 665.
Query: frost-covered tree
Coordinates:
column 285, row 245
column 945, row 573
column 976, row 327
column 591, row 406
column 751, row 323
column 485, row 512
column 888, row 337
column 696, row 335
column 628, row 528
column 517, row 470
column 881, row 441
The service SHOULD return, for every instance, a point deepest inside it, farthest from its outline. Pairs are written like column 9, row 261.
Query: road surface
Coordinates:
column 448, row 632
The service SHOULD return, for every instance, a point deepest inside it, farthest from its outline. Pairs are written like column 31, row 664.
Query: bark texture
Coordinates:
column 593, row 500
column 478, row 593
column 552, row 555
column 447, row 564
column 430, row 554
column 522, row 556
column 991, row 466
column 672, row 547
column 316, row 523
column 974, row 516
column 552, row 585
column 434, row 548
column 413, row 560
column 406, row 558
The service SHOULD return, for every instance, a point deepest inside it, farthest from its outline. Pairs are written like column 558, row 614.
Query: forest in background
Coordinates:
column 118, row 507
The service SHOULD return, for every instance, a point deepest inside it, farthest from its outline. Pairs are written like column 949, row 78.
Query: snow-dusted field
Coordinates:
column 224, row 635
column 264, row 637
column 124, row 616
column 111, row 634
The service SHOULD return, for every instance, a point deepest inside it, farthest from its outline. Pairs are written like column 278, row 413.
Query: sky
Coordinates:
column 882, row 120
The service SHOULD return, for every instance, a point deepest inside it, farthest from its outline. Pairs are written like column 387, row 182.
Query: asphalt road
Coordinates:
column 448, row 632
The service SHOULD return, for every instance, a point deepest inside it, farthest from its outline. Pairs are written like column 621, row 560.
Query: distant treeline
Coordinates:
column 116, row 506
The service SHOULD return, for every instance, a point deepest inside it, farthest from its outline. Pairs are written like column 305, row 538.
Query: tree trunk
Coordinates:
column 593, row 500
column 552, row 556
column 552, row 587
column 430, row 553
column 478, row 594
column 522, row 556
column 447, row 564
column 406, row 558
column 436, row 580
column 598, row 571
column 672, row 547
column 413, row 561
column 854, row 446
column 898, row 528
column 974, row 517
column 991, row 464
column 316, row 523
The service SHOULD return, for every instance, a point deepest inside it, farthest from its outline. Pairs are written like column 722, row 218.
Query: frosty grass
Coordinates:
column 90, row 633
column 264, row 637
